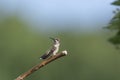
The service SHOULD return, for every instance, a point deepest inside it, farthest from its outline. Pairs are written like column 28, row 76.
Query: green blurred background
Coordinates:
column 90, row 55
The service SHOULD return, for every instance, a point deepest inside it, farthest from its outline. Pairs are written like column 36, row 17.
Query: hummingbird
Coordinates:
column 54, row 49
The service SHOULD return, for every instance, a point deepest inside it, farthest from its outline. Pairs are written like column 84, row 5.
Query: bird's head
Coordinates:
column 56, row 40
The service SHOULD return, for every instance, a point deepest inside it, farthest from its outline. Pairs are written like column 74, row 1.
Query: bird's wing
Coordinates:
column 51, row 50
column 48, row 53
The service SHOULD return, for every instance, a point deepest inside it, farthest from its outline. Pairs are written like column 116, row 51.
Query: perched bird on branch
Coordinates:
column 53, row 50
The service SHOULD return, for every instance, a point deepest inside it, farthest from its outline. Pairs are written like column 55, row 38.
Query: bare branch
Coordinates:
column 40, row 65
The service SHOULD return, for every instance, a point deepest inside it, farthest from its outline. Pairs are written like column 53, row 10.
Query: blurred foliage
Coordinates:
column 117, row 3
column 90, row 56
column 115, row 25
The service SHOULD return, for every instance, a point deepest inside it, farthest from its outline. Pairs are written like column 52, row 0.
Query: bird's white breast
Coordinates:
column 57, row 48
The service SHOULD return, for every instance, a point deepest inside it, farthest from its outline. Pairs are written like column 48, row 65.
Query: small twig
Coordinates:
column 40, row 65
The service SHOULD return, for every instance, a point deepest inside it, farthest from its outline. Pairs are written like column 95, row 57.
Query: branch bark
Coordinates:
column 40, row 65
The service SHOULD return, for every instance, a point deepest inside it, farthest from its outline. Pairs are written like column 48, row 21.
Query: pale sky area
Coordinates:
column 62, row 14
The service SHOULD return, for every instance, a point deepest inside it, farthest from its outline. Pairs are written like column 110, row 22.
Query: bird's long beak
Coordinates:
column 52, row 38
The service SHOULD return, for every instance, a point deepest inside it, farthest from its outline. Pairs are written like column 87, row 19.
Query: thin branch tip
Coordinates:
column 65, row 52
